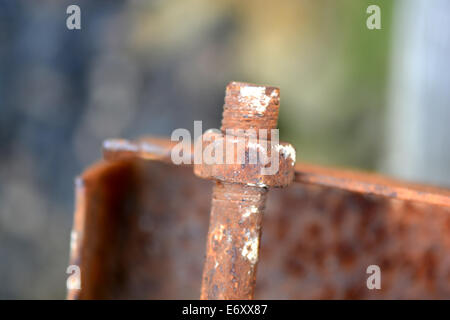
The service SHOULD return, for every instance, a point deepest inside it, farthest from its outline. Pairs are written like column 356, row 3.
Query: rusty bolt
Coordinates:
column 244, row 171
column 240, row 193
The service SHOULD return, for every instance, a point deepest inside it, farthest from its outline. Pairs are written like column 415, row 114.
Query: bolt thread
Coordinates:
column 250, row 106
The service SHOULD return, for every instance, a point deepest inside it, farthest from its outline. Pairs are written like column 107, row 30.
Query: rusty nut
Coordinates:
column 243, row 160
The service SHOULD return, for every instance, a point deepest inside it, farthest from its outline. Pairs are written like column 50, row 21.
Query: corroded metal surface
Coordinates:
column 250, row 106
column 140, row 241
column 240, row 169
column 239, row 194
column 232, row 248
column 137, row 240
column 350, row 180
column 368, row 183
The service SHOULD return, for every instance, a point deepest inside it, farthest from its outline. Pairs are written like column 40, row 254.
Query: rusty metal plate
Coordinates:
column 140, row 230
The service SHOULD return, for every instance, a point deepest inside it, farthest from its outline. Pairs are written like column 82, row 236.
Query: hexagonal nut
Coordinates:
column 244, row 160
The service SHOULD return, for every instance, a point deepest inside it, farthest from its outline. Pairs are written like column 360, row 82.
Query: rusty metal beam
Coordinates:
column 140, row 231
column 351, row 180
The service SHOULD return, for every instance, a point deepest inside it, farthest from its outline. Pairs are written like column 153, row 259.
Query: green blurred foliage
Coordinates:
column 331, row 69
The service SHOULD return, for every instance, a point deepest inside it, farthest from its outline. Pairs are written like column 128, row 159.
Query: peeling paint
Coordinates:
column 287, row 151
column 256, row 97
column 218, row 233
column 259, row 184
column 249, row 211
column 250, row 249
column 229, row 237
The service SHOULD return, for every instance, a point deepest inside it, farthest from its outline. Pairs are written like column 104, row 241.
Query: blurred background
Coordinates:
column 376, row 100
